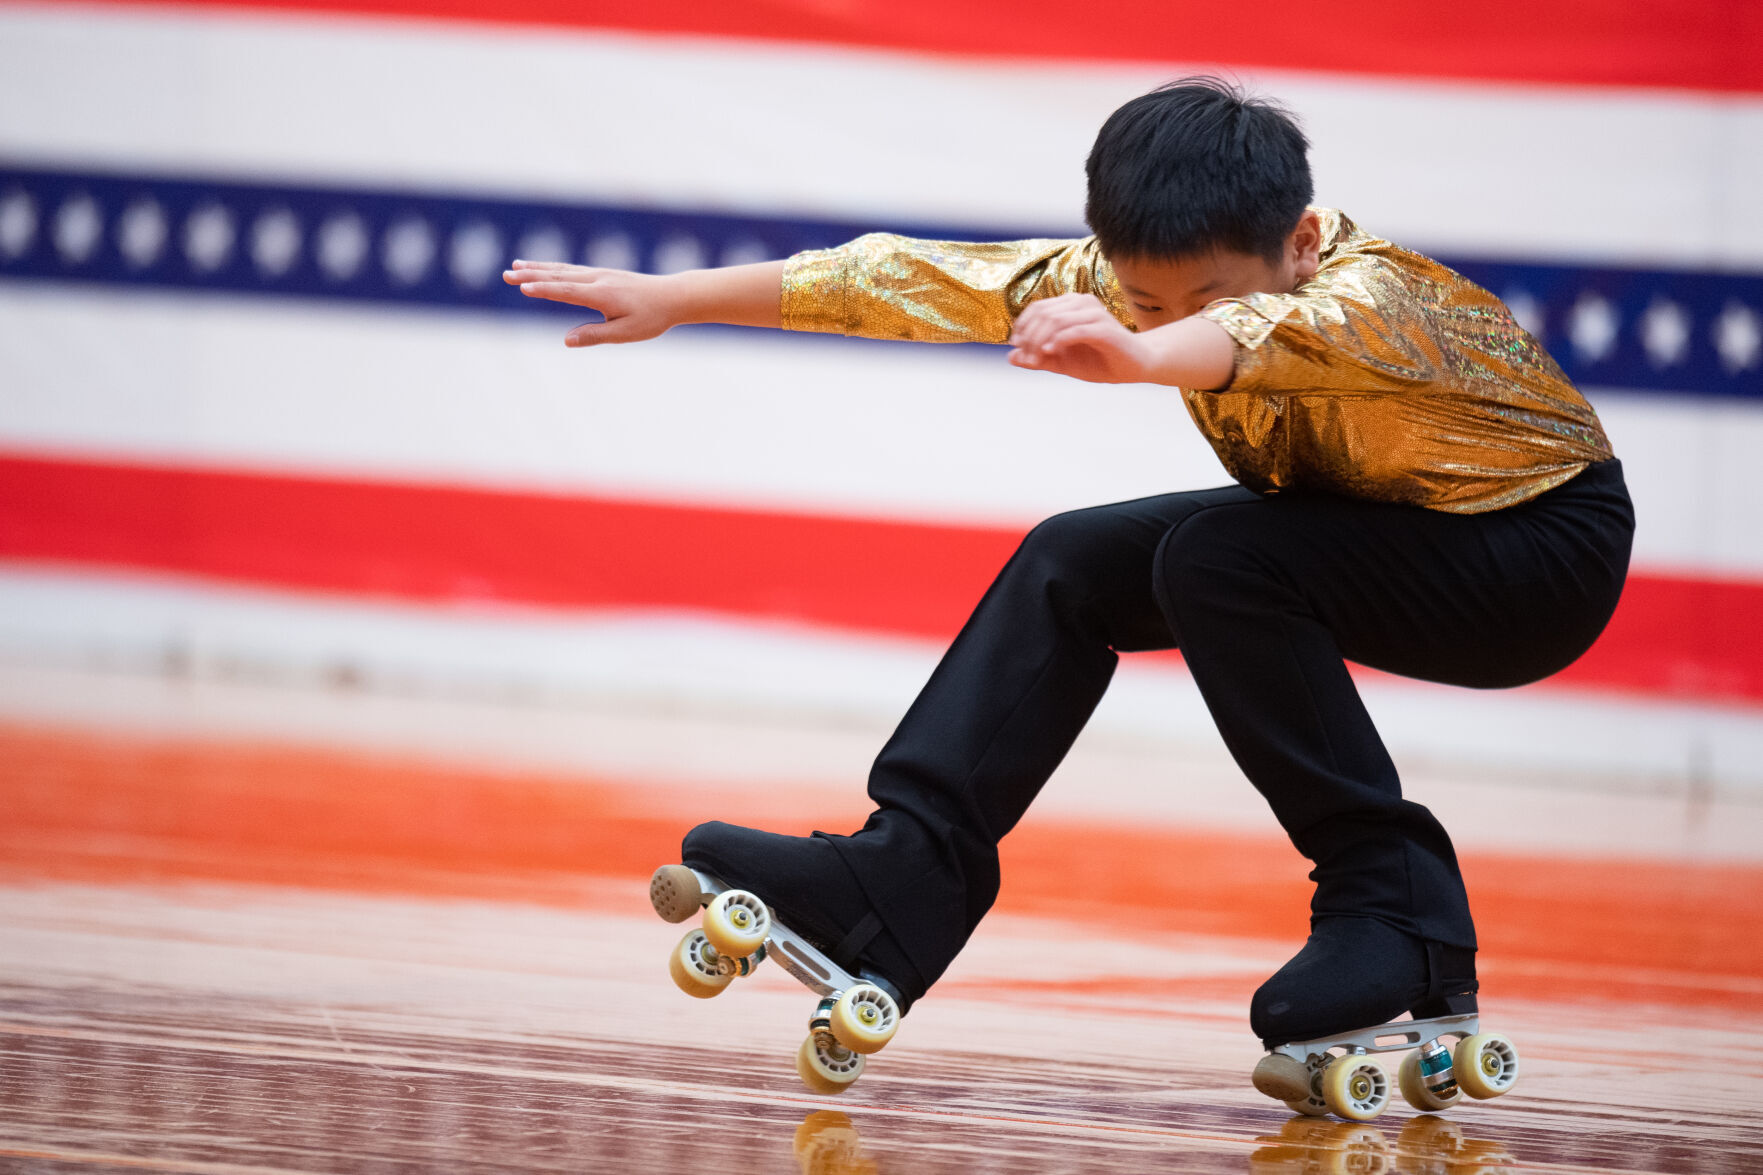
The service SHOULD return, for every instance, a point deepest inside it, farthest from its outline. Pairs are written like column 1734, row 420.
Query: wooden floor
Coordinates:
column 238, row 957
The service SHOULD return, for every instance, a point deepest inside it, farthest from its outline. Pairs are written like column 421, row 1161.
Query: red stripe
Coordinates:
column 1685, row 44
column 1674, row 637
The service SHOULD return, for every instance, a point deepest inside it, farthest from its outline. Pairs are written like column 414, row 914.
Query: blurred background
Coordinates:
column 362, row 648
column 267, row 414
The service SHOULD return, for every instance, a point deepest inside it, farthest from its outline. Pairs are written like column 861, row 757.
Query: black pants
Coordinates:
column 1265, row 596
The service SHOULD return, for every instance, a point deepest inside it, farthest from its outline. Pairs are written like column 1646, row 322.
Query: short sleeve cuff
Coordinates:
column 813, row 294
column 1251, row 329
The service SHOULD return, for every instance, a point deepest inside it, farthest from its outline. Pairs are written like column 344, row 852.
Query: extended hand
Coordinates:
column 636, row 305
column 1075, row 335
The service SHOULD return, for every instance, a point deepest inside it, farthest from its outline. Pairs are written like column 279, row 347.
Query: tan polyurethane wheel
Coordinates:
column 1414, row 1090
column 693, row 968
column 865, row 1018
column 1486, row 1065
column 1310, row 1107
column 827, row 1071
column 1355, row 1088
column 736, row 923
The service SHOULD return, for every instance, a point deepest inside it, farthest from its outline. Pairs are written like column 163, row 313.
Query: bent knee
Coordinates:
column 1072, row 546
column 1195, row 550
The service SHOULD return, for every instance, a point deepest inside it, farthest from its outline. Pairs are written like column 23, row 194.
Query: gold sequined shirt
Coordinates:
column 1385, row 376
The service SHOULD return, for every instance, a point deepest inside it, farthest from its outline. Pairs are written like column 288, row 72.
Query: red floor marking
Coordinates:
column 1672, row 637
column 130, row 810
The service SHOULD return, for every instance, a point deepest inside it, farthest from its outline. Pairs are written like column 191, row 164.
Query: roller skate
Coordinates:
column 1335, row 1074
column 1376, row 972
column 857, row 1014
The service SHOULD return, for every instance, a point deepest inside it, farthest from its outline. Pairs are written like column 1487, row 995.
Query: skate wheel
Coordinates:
column 693, row 968
column 1310, row 1107
column 827, row 1070
column 865, row 1018
column 736, row 923
column 1355, row 1088
column 1486, row 1065
column 674, row 893
column 1414, row 1090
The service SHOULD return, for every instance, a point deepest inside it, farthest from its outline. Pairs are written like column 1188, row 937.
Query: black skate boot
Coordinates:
column 1338, row 1000
column 792, row 899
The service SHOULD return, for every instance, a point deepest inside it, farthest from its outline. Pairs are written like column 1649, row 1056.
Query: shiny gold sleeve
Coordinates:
column 1355, row 330
column 883, row 286
column 1377, row 322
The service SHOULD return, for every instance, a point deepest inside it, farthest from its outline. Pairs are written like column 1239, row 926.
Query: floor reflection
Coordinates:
column 1424, row 1145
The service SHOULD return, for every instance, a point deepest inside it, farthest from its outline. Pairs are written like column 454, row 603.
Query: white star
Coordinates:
column 342, row 243
column 141, row 233
column 409, row 250
column 544, row 243
column 612, row 251
column 1738, row 337
column 18, row 222
column 208, row 237
column 275, row 241
column 677, row 254
column 1526, row 311
column 475, row 254
column 1665, row 332
column 78, row 225
column 744, row 251
column 1592, row 326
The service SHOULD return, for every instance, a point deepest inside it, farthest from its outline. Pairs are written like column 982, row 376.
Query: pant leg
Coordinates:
column 1266, row 598
column 1001, row 710
column 1265, row 595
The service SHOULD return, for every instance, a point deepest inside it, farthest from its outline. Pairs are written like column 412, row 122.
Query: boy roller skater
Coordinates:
column 1419, row 489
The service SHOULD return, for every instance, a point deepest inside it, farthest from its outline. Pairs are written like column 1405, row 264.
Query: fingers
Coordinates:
column 613, row 330
column 1049, row 353
column 586, row 335
column 1038, row 318
column 1044, row 327
column 526, row 272
column 571, row 293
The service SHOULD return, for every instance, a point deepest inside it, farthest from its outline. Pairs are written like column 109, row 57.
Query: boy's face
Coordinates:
column 1162, row 291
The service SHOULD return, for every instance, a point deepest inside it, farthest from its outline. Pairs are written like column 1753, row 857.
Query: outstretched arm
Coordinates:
column 640, row 305
column 878, row 286
column 1076, row 335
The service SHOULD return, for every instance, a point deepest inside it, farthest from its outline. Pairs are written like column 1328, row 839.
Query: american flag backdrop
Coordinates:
column 266, row 408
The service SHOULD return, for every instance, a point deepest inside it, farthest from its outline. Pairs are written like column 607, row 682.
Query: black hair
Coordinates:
column 1196, row 166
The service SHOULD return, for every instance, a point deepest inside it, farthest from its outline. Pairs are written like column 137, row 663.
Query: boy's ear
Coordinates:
column 1305, row 245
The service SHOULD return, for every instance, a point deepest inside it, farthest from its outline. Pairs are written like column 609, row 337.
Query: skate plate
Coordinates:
column 1393, row 1037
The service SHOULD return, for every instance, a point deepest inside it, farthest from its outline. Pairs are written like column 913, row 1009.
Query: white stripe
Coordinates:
column 734, row 419
column 668, row 121
column 1149, row 752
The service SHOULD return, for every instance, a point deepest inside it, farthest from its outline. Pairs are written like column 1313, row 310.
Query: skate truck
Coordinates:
column 855, row 1017
column 1336, row 1074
